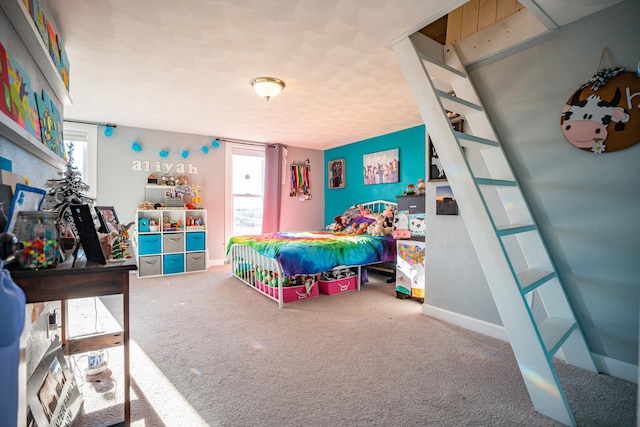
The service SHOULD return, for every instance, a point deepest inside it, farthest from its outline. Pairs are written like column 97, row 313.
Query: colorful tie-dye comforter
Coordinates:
column 309, row 252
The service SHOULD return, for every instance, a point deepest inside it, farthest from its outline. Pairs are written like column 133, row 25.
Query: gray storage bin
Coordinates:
column 149, row 265
column 196, row 261
column 172, row 242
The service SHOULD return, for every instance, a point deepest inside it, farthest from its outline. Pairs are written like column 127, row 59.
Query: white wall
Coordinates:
column 123, row 188
column 296, row 215
column 455, row 287
column 586, row 205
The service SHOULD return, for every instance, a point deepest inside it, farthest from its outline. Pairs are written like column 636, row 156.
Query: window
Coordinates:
column 84, row 139
column 246, row 174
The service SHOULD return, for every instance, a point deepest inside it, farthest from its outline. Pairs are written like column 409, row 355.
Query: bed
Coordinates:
column 286, row 255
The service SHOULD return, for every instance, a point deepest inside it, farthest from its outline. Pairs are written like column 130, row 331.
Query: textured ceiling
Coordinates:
column 185, row 66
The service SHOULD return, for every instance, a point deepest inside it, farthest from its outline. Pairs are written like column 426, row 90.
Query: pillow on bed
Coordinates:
column 360, row 219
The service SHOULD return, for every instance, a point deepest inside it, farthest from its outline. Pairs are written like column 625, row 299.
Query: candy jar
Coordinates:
column 37, row 236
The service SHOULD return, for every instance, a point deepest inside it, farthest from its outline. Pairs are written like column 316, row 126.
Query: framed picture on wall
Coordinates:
column 436, row 171
column 445, row 201
column 337, row 171
column 381, row 167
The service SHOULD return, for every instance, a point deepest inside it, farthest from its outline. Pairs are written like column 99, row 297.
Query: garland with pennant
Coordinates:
column 137, row 146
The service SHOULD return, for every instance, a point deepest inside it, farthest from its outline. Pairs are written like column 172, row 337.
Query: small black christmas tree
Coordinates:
column 68, row 190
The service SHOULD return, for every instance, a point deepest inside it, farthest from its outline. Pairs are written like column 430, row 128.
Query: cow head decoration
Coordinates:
column 606, row 118
column 585, row 122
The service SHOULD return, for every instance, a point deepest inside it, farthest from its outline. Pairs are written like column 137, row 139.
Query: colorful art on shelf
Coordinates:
column 51, row 39
column 50, row 124
column 37, row 15
column 21, row 98
column 6, row 106
column 64, row 64
column 54, row 50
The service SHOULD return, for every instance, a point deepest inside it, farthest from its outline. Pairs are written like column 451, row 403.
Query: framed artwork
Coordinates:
column 381, row 167
column 53, row 396
column 301, row 180
column 108, row 218
column 87, row 232
column 445, row 201
column 337, row 171
column 25, row 198
column 436, row 171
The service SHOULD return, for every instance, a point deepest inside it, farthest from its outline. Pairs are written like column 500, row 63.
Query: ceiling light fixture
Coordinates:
column 267, row 87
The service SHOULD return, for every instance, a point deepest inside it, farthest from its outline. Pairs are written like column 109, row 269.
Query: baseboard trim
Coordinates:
column 616, row 368
column 216, row 262
column 486, row 328
column 605, row 365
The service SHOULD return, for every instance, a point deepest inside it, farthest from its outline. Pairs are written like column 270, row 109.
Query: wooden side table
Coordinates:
column 85, row 279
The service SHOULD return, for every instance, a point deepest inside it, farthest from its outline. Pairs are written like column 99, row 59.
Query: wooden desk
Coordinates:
column 86, row 279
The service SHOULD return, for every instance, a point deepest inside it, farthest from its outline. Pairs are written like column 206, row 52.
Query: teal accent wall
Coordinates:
column 411, row 145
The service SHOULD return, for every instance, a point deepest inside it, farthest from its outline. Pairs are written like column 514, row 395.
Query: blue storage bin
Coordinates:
column 149, row 244
column 173, row 263
column 195, row 241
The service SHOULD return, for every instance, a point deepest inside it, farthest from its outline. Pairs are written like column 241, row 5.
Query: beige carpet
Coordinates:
column 208, row 350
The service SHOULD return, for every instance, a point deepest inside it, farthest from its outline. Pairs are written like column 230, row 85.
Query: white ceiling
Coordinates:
column 185, row 65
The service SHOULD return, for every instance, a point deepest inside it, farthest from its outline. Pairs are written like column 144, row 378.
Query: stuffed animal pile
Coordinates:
column 384, row 224
column 343, row 221
column 357, row 228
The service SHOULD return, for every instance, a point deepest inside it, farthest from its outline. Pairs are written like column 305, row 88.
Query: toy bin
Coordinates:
column 289, row 293
column 338, row 286
column 294, row 293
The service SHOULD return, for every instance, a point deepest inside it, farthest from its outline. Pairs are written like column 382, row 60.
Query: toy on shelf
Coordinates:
column 196, row 190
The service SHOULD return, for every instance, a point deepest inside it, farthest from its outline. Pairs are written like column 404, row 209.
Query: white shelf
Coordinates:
column 174, row 244
column 19, row 136
column 26, row 28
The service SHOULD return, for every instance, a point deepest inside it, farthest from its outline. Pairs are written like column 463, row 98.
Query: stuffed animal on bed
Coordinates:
column 344, row 220
column 384, row 223
column 357, row 228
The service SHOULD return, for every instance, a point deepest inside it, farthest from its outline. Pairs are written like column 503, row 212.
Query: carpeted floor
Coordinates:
column 208, row 350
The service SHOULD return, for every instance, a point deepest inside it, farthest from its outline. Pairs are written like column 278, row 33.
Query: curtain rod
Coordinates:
column 237, row 141
column 89, row 123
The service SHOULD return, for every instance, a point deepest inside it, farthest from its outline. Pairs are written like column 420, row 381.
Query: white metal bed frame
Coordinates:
column 245, row 261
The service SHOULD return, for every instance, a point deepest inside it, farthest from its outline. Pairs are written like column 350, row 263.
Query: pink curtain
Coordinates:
column 274, row 163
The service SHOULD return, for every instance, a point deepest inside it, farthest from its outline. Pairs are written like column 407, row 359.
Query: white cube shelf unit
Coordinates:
column 170, row 241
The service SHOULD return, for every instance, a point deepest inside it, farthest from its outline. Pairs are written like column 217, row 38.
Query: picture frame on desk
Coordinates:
column 88, row 234
column 25, row 198
column 108, row 219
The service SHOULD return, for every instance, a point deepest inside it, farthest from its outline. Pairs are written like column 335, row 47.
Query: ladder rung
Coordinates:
column 554, row 332
column 440, row 70
column 496, row 182
column 477, row 139
column 505, row 230
column 458, row 105
column 530, row 279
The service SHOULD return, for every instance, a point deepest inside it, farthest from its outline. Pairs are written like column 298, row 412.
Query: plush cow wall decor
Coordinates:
column 606, row 118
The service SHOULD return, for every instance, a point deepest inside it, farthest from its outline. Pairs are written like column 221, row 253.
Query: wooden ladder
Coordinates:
column 509, row 246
